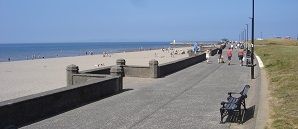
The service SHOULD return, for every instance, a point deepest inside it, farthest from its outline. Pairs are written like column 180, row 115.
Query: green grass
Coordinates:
column 284, row 42
column 280, row 58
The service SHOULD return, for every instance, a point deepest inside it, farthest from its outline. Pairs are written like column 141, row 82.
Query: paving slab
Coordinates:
column 189, row 98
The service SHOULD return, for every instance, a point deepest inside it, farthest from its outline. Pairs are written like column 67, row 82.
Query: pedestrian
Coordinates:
column 195, row 48
column 240, row 56
column 229, row 54
column 219, row 52
column 199, row 48
column 208, row 55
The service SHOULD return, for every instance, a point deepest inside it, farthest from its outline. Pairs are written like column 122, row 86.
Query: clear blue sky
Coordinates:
column 35, row 21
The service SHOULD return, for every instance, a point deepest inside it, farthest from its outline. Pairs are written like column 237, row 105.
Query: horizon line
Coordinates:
column 108, row 42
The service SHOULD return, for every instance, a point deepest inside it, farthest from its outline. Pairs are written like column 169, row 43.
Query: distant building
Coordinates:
column 288, row 37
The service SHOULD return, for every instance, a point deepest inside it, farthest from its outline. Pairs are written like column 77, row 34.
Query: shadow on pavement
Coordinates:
column 241, row 117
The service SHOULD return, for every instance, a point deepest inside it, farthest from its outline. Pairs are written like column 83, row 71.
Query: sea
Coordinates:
column 29, row 51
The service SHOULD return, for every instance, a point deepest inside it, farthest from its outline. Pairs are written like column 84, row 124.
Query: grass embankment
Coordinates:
column 280, row 58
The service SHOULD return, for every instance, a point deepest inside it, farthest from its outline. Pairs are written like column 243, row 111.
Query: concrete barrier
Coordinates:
column 32, row 108
column 214, row 52
column 70, row 70
column 117, row 71
column 174, row 66
column 83, row 78
column 137, row 71
column 154, row 70
column 103, row 70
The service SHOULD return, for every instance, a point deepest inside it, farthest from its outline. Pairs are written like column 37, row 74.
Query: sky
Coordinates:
column 45, row 21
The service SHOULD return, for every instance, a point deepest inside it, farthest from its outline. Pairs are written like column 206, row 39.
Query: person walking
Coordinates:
column 208, row 55
column 229, row 54
column 195, row 48
column 240, row 56
column 219, row 52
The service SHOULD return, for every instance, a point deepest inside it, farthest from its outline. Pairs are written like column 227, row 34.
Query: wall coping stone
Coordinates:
column 72, row 67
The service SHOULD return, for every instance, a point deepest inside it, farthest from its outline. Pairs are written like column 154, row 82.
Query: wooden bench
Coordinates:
column 234, row 103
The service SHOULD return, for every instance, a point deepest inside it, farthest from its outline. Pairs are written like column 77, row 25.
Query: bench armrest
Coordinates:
column 223, row 103
column 230, row 93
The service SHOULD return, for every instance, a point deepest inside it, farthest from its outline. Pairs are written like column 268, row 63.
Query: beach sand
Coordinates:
column 21, row 78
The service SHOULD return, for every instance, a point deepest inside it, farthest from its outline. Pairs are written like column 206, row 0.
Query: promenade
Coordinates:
column 189, row 98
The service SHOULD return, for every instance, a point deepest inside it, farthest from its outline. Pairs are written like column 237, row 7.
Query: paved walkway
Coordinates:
column 186, row 99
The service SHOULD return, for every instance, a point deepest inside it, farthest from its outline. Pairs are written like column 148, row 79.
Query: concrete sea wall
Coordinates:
column 28, row 109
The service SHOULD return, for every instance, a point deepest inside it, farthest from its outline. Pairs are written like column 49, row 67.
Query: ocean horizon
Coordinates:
column 30, row 51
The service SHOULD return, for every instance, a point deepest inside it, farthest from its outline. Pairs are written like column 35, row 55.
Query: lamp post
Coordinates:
column 247, row 32
column 246, row 37
column 242, row 38
column 252, row 39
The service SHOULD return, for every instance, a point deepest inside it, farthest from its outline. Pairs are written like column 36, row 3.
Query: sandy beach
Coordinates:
column 21, row 78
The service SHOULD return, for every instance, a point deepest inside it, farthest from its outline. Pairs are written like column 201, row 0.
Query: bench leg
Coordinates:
column 221, row 114
column 244, row 104
column 242, row 116
column 239, row 118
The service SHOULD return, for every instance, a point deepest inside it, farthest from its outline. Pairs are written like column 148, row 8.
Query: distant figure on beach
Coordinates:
column 33, row 57
column 106, row 54
column 208, row 55
column 240, row 56
column 98, row 65
column 172, row 54
column 229, row 54
column 9, row 59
